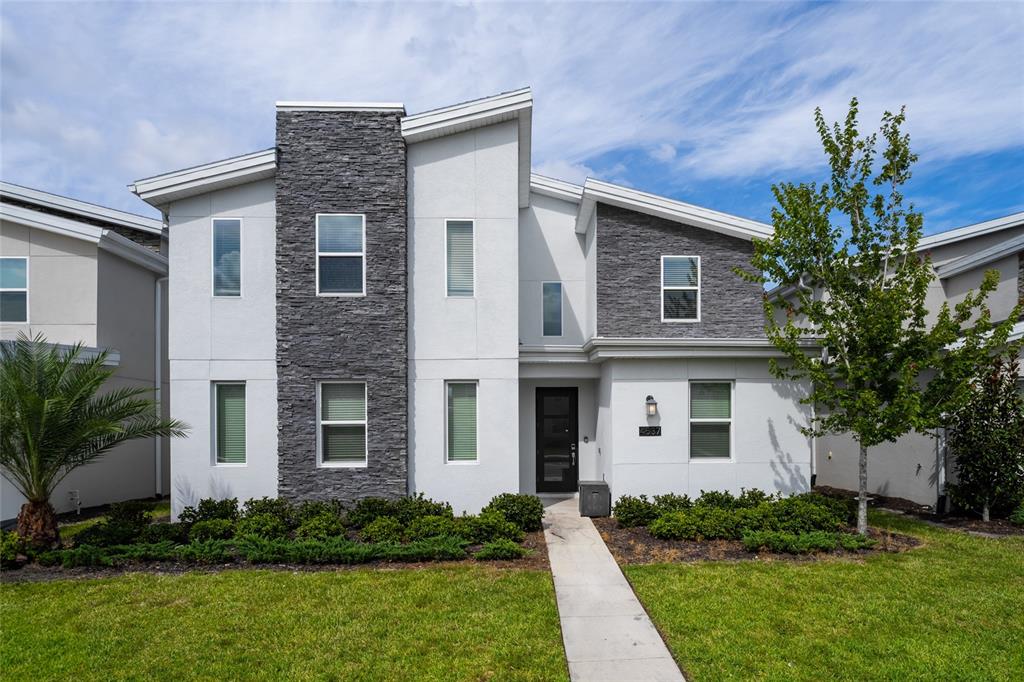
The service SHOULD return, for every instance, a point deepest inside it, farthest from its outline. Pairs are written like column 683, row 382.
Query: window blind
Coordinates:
column 709, row 439
column 341, row 440
column 710, row 401
column 343, row 443
column 711, row 419
column 680, row 282
column 462, row 422
column 459, row 253
column 230, row 423
column 343, row 402
column 680, row 271
column 227, row 258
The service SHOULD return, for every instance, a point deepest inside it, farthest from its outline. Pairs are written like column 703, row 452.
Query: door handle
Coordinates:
column 572, row 450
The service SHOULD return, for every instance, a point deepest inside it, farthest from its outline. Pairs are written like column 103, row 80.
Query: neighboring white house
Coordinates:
column 81, row 273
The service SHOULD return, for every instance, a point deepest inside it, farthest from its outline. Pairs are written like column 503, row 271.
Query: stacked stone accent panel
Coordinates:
column 341, row 162
column 629, row 250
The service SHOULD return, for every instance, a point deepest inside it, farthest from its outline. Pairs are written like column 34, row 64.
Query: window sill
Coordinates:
column 229, row 465
column 342, row 465
column 465, row 463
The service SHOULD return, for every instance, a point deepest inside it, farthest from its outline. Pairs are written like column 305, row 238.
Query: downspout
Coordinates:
column 158, row 366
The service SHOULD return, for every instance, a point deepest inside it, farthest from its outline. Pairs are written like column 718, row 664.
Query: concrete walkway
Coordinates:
column 606, row 632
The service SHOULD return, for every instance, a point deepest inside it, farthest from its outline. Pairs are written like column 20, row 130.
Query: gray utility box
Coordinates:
column 595, row 498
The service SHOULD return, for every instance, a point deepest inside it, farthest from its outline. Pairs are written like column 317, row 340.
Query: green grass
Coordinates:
column 952, row 609
column 68, row 530
column 464, row 623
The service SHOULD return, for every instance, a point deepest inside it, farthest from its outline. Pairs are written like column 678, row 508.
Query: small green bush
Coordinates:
column 405, row 509
column 368, row 510
column 500, row 549
column 671, row 502
column 10, row 547
column 262, row 525
column 700, row 523
column 853, row 541
column 1017, row 517
column 278, row 507
column 431, row 527
column 134, row 513
column 84, row 555
column 487, row 526
column 342, row 551
column 326, row 524
column 382, row 529
column 526, row 511
column 807, row 513
column 105, row 534
column 209, row 509
column 716, row 498
column 632, row 511
column 753, row 497
column 211, row 529
column 165, row 532
column 143, row 551
column 311, row 508
column 803, row 543
column 205, row 551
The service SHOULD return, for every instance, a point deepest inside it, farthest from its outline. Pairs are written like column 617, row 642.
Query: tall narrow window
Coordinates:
column 342, row 424
column 680, row 288
column 13, row 289
column 229, row 415
column 552, row 294
column 227, row 257
column 710, row 419
column 340, row 255
column 461, row 421
column 459, row 257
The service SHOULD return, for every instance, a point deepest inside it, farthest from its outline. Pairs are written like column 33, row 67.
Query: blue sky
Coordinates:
column 706, row 102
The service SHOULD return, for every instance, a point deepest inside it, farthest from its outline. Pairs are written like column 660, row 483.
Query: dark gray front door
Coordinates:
column 557, row 435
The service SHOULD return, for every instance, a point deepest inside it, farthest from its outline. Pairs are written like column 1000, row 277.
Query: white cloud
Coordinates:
column 664, row 152
column 564, row 170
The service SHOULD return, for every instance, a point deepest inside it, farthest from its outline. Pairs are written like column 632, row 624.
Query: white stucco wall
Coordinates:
column 471, row 175
column 223, row 339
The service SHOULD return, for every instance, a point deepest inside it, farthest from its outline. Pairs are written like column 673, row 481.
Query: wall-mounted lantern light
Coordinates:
column 652, row 406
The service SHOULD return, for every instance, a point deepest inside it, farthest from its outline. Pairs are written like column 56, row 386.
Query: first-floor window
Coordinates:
column 461, row 420
column 342, row 437
column 229, row 418
column 13, row 289
column 710, row 419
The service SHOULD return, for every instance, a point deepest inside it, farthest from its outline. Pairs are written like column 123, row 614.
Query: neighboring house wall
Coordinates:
column 222, row 339
column 630, row 247
column 341, row 162
column 470, row 175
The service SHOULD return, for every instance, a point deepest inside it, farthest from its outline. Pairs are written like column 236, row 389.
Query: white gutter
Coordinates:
column 158, row 454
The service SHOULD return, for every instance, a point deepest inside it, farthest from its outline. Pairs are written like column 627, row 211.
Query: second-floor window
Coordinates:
column 459, row 266
column 552, row 303
column 227, row 257
column 13, row 289
column 340, row 254
column 680, row 288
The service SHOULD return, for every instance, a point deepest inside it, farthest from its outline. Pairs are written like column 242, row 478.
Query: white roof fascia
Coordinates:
column 82, row 208
column 160, row 190
column 558, row 189
column 600, row 348
column 662, row 207
column 339, row 106
column 132, row 252
column 507, row 106
column 976, row 230
column 983, row 257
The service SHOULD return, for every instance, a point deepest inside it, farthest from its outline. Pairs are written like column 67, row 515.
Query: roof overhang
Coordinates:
column 85, row 353
column 595, row 191
column 56, row 202
column 976, row 230
column 106, row 239
column 550, row 187
column 161, row 190
column 508, row 106
column 972, row 261
column 605, row 348
column 339, row 106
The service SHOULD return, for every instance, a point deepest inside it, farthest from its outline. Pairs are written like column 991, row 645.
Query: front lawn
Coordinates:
column 470, row 623
column 951, row 609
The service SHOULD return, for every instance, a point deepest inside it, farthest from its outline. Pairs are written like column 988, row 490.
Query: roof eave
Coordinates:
column 161, row 190
column 111, row 216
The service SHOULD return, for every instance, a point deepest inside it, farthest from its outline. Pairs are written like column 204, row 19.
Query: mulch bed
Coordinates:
column 926, row 513
column 638, row 546
column 537, row 560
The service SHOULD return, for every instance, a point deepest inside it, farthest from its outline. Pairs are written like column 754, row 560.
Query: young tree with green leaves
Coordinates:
column 55, row 417
column 854, row 282
column 986, row 437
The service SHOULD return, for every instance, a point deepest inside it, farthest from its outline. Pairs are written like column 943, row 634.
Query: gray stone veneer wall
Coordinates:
column 341, row 162
column 629, row 250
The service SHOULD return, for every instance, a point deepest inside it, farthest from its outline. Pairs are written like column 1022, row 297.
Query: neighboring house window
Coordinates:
column 342, row 437
column 229, row 422
column 459, row 257
column 552, row 294
column 710, row 419
column 13, row 289
column 680, row 288
column 227, row 257
column 461, row 418
column 340, row 255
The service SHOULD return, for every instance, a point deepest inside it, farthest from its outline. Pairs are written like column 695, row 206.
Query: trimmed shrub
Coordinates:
column 790, row 543
column 134, row 514
column 368, row 510
column 700, row 523
column 324, row 525
column 310, row 508
column 405, row 509
column 164, row 532
column 431, row 527
column 144, row 551
column 211, row 529
column 487, row 526
column 278, row 507
column 753, row 497
column 209, row 509
column 526, row 511
column 205, row 551
column 84, row 555
column 806, row 513
column 262, row 525
column 717, row 499
column 632, row 511
column 500, row 549
column 854, row 541
column 671, row 502
column 10, row 547
column 382, row 529
column 1017, row 517
column 343, row 551
column 104, row 534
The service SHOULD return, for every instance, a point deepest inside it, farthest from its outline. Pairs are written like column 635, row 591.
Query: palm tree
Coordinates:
column 54, row 419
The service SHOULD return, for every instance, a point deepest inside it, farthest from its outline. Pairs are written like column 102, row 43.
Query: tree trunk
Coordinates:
column 37, row 525
column 984, row 511
column 862, row 490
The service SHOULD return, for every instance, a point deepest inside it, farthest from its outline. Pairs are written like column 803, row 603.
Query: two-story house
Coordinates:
column 76, row 272
column 386, row 303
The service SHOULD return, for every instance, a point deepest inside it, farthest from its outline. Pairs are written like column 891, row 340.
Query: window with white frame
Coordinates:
column 340, row 254
column 461, row 421
column 229, row 422
column 227, row 257
column 459, row 266
column 13, row 289
column 710, row 419
column 342, row 435
column 552, row 304
column 680, row 288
